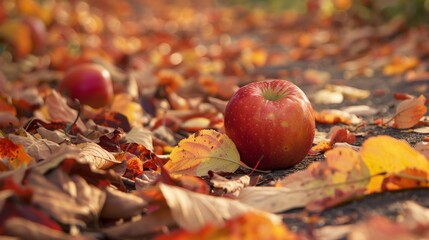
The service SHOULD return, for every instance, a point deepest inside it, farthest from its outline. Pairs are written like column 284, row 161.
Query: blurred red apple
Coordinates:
column 272, row 123
column 90, row 83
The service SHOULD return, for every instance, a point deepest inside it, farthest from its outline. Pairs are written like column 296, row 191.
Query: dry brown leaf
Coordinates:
column 141, row 136
column 25, row 229
column 96, row 155
column 145, row 225
column 230, row 186
column 70, row 200
column 409, row 112
column 192, row 210
column 39, row 149
column 121, row 205
column 55, row 136
column 58, row 110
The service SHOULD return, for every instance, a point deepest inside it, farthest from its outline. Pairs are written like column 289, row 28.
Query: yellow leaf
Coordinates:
column 409, row 112
column 343, row 176
column 124, row 104
column 203, row 151
column 12, row 156
column 385, row 154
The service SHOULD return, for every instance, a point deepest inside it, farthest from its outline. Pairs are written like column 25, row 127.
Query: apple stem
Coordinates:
column 273, row 94
column 257, row 164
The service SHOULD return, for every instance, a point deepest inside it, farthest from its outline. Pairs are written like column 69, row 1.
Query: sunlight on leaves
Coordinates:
column 96, row 155
column 203, row 151
column 192, row 211
column 341, row 177
column 246, row 226
column 124, row 104
column 409, row 112
column 385, row 154
column 12, row 156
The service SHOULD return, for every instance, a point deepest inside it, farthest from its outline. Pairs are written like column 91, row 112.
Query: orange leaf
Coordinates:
column 400, row 64
column 321, row 147
column 409, row 112
column 408, row 178
column 12, row 155
column 246, row 226
column 332, row 116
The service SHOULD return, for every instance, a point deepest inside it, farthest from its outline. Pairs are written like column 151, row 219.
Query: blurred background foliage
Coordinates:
column 413, row 11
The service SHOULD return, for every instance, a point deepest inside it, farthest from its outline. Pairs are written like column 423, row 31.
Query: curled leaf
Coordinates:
column 96, row 155
column 203, row 151
column 409, row 112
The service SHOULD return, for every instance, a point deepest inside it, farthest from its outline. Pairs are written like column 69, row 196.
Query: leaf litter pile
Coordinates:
column 155, row 162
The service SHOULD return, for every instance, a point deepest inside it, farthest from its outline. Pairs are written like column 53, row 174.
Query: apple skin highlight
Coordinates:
column 271, row 122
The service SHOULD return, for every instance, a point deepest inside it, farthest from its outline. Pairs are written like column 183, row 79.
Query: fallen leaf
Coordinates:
column 192, row 211
column 360, row 110
column 145, row 225
column 95, row 155
column 195, row 124
column 423, row 148
column 12, row 156
column 333, row 116
column 229, row 186
column 422, row 130
column 121, row 205
column 325, row 96
column 68, row 199
column 416, row 218
column 38, row 149
column 339, row 134
column 379, row 227
column 141, row 136
column 408, row 178
column 385, row 154
column 123, row 103
column 320, row 147
column 58, row 110
column 203, row 151
column 340, row 178
column 400, row 64
column 409, row 112
column 246, row 226
column 25, row 229
column 349, row 92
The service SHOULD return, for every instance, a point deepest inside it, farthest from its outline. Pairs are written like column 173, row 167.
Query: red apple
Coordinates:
column 90, row 83
column 270, row 122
